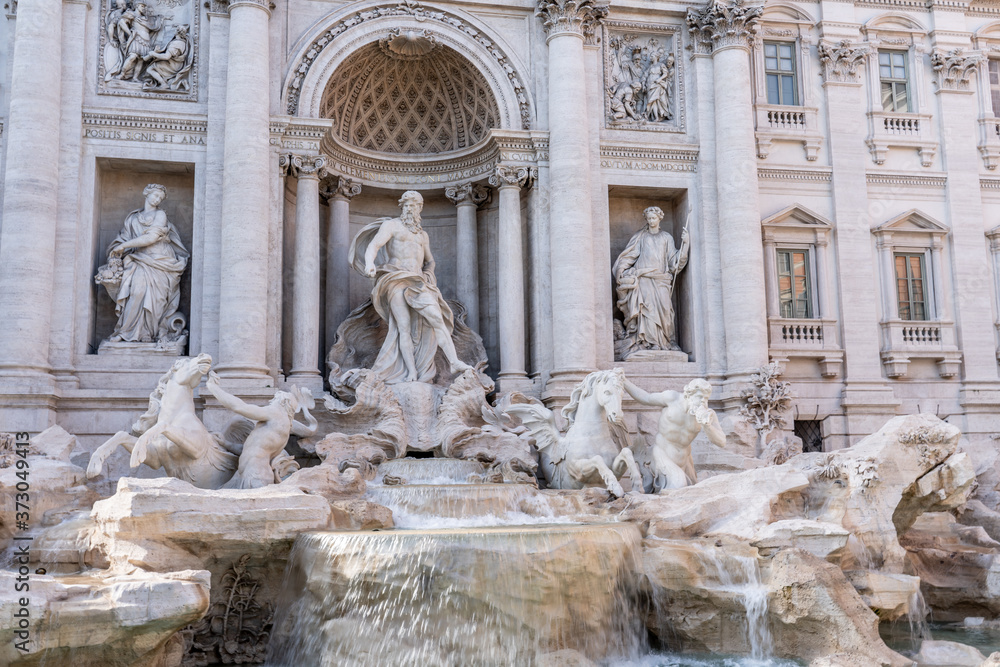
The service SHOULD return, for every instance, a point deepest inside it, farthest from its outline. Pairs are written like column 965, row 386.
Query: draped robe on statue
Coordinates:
column 420, row 291
column 149, row 293
column 645, row 273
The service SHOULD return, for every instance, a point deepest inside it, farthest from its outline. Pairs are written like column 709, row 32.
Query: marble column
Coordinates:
column 305, row 271
column 509, row 181
column 725, row 30
column 338, row 192
column 571, row 231
column 246, row 189
column 31, row 184
column 467, row 199
column 823, row 276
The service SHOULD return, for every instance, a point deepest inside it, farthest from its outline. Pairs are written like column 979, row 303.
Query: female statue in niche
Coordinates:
column 645, row 274
column 143, row 274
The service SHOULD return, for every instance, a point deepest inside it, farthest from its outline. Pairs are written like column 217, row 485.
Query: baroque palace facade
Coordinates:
column 832, row 165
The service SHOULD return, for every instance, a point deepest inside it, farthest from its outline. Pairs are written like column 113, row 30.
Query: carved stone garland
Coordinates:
column 416, row 10
column 723, row 24
column 841, row 61
column 954, row 69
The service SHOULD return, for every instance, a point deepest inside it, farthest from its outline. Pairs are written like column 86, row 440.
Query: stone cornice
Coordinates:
column 989, row 183
column 130, row 121
column 905, row 180
column 644, row 158
column 811, row 175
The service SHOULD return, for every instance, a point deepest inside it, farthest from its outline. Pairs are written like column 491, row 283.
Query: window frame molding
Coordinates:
column 915, row 232
column 986, row 41
column 899, row 129
column 784, row 22
column 818, row 337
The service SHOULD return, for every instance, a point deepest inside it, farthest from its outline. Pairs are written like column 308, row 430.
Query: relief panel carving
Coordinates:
column 148, row 49
column 642, row 77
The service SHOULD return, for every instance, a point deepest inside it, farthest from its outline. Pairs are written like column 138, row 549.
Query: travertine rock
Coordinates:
column 100, row 619
column 326, row 481
column 948, row 654
column 888, row 595
column 57, row 489
column 163, row 524
column 958, row 566
column 54, row 443
column 815, row 612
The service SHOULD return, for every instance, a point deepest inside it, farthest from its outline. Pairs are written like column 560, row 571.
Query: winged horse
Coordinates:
column 594, row 450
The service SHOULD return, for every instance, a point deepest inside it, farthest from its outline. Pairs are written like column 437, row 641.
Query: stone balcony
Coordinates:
column 989, row 141
column 904, row 340
column 778, row 122
column 818, row 339
column 901, row 130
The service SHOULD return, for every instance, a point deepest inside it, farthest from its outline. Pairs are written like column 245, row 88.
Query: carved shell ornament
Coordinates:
column 407, row 45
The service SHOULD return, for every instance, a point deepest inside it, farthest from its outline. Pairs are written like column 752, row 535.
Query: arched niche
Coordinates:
column 336, row 38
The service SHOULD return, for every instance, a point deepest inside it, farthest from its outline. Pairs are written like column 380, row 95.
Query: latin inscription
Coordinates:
column 144, row 136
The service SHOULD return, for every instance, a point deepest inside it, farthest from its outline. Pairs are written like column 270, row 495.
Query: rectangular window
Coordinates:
column 994, row 69
column 911, row 286
column 779, row 69
column 892, row 72
column 794, row 289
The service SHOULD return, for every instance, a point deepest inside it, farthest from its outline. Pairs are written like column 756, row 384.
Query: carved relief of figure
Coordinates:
column 118, row 31
column 624, row 102
column 274, row 424
column 143, row 273
column 659, row 82
column 169, row 66
column 667, row 462
column 396, row 253
column 640, row 80
column 140, row 41
column 645, row 273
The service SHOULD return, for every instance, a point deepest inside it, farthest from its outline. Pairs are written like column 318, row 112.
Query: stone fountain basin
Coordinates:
column 473, row 596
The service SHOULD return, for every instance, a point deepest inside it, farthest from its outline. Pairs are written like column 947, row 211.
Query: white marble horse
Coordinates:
column 594, row 450
column 170, row 435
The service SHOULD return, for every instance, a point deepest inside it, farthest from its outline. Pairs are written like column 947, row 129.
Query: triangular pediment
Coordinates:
column 912, row 221
column 797, row 216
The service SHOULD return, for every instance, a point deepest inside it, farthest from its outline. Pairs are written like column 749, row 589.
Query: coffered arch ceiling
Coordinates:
column 408, row 94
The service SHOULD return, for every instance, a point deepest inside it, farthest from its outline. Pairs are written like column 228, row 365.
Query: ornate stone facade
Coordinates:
column 536, row 135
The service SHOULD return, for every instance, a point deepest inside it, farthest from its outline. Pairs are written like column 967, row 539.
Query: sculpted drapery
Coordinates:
column 645, row 273
column 153, row 258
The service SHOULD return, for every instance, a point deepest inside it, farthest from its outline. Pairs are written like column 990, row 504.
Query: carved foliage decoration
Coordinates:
column 722, row 24
column 429, row 103
column 954, row 69
column 579, row 16
column 842, row 62
column 149, row 48
column 417, row 11
column 642, row 82
column 236, row 629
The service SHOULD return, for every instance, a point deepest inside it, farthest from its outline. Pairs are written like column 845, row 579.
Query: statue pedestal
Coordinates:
column 675, row 356
column 120, row 348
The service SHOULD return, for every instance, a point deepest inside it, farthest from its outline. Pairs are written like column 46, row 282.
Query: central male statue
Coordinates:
column 396, row 252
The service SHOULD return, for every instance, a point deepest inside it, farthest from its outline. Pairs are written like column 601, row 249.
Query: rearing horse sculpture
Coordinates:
column 594, row 450
column 170, row 435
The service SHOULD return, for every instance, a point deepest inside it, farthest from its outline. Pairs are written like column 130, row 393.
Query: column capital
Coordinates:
column 468, row 193
column 302, row 166
column 723, row 24
column 576, row 17
column 259, row 4
column 507, row 176
column 954, row 70
column 339, row 187
column 841, row 61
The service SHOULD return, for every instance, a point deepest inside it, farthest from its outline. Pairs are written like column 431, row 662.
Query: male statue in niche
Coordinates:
column 396, row 252
column 645, row 274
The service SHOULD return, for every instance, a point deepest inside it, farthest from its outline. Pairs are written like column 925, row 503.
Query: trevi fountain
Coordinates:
column 554, row 333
